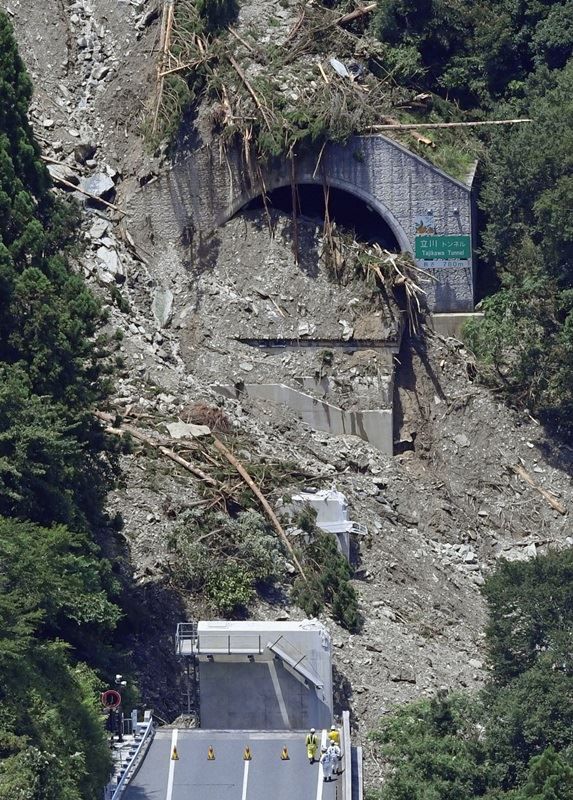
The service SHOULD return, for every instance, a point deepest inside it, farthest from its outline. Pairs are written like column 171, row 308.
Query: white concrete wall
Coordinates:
column 256, row 691
column 374, row 426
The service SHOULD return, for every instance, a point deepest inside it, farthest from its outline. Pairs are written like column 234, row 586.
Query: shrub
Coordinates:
column 227, row 558
column 328, row 575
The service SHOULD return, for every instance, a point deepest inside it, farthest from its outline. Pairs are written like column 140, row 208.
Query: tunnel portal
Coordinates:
column 348, row 211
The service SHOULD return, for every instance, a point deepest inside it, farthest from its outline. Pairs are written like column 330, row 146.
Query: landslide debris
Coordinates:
column 440, row 512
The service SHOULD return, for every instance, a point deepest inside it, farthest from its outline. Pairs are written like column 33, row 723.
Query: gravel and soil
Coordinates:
column 439, row 513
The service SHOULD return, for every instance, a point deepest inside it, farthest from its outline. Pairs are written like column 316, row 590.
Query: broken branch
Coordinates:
column 250, row 89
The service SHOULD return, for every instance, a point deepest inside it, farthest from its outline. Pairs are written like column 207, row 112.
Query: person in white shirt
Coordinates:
column 327, row 764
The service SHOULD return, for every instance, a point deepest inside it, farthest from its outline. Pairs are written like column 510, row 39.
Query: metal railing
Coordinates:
column 114, row 792
column 185, row 638
column 189, row 642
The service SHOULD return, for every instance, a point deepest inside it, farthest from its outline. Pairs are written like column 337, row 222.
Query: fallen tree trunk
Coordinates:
column 129, row 429
column 524, row 475
column 262, row 500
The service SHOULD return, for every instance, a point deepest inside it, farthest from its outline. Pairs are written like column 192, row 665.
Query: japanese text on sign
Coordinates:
column 429, row 248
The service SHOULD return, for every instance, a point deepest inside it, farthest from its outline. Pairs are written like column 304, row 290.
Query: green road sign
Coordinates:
column 429, row 248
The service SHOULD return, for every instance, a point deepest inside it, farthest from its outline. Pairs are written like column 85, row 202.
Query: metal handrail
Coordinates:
column 126, row 774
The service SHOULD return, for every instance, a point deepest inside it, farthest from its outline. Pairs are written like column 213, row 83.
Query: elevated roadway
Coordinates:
column 192, row 776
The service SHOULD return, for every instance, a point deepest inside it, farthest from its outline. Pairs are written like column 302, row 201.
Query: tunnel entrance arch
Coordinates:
column 347, row 210
column 391, row 235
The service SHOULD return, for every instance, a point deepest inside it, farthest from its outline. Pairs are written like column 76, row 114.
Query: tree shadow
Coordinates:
column 342, row 695
column 406, row 380
column 152, row 611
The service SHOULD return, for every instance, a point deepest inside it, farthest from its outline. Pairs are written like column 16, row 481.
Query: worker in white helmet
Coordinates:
column 335, row 754
column 327, row 764
column 334, row 735
column 311, row 745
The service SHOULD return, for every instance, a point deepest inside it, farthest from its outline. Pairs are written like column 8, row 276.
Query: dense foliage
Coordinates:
column 515, row 739
column 56, row 606
column 509, row 58
column 225, row 559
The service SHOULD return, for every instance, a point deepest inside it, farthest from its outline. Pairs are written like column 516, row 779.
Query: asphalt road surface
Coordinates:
column 229, row 776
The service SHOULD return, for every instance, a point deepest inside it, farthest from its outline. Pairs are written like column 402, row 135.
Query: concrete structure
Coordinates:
column 332, row 515
column 203, row 190
column 451, row 324
column 260, row 675
column 374, row 426
column 233, row 761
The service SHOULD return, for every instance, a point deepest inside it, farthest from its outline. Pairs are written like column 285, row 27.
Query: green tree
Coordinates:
column 531, row 713
column 549, row 778
column 531, row 613
column 435, row 751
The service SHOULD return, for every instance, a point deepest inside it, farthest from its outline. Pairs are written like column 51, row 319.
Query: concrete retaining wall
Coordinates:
column 373, row 426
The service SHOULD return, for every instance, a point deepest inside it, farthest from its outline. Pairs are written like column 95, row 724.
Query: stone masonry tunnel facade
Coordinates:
column 430, row 214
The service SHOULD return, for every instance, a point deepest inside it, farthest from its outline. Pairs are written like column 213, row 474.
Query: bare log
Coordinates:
column 399, row 126
column 158, row 446
column 70, row 185
column 240, row 39
column 262, row 500
column 524, row 475
column 359, row 12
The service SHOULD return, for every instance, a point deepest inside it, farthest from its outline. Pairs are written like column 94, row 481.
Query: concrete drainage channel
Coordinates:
column 262, row 685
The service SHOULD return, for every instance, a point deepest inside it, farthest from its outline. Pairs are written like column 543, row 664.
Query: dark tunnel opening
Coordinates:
column 347, row 210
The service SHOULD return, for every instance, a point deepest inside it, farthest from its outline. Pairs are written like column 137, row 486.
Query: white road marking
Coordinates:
column 245, row 780
column 320, row 784
column 279, row 694
column 171, row 765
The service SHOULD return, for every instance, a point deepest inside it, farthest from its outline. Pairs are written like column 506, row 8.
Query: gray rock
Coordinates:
column 306, row 329
column 100, row 185
column 110, row 263
column 347, row 329
column 461, row 440
column 61, row 172
column 162, row 306
column 405, row 674
column 183, row 430
column 100, row 73
column 99, row 228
